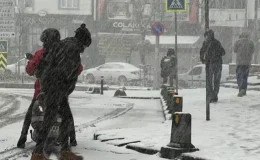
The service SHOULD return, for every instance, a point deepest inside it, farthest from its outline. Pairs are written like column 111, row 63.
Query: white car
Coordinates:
column 197, row 76
column 13, row 68
column 113, row 72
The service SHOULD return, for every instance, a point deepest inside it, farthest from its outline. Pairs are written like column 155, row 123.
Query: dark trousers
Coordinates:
column 171, row 77
column 28, row 116
column 213, row 72
column 53, row 99
column 27, row 119
column 242, row 73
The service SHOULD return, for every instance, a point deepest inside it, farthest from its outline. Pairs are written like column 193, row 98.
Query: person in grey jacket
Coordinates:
column 244, row 48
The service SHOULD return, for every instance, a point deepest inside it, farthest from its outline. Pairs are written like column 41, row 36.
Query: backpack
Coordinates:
column 167, row 63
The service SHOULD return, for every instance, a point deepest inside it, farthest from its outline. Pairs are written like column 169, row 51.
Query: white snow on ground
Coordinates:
column 86, row 108
column 9, row 134
column 251, row 79
column 232, row 133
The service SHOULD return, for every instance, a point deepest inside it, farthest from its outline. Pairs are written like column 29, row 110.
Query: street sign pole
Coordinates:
column 157, row 30
column 207, row 88
column 158, row 60
column 176, row 51
column 176, row 6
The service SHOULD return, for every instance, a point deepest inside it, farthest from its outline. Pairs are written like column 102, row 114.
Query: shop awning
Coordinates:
column 169, row 41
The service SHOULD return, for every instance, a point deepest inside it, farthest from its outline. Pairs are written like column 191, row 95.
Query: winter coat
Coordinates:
column 32, row 68
column 63, row 66
column 212, row 52
column 244, row 48
column 168, row 64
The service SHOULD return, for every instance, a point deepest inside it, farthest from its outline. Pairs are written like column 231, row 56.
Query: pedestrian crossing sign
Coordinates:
column 176, row 6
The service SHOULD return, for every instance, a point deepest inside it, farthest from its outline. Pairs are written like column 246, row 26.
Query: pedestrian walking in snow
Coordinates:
column 57, row 82
column 211, row 55
column 244, row 48
column 168, row 67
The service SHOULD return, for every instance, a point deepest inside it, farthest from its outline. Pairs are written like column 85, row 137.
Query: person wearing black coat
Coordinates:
column 57, row 82
column 211, row 55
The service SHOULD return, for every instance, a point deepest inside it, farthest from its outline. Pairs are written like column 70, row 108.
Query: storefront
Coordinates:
column 32, row 26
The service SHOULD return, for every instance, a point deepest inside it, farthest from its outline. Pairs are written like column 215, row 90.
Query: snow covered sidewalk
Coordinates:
column 232, row 133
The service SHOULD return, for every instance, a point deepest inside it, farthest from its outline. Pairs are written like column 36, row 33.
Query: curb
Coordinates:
column 143, row 150
column 185, row 157
column 78, row 88
column 235, row 87
column 128, row 97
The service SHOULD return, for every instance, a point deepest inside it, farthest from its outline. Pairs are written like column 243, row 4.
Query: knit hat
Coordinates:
column 83, row 35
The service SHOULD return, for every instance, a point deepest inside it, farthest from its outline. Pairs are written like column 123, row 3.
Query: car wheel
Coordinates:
column 122, row 80
column 90, row 78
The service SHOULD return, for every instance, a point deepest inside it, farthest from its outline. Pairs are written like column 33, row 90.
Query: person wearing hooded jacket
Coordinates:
column 211, row 55
column 57, row 82
column 168, row 66
column 244, row 48
column 32, row 67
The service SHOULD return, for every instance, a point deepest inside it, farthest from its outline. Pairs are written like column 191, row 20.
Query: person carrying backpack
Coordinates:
column 168, row 67
column 57, row 82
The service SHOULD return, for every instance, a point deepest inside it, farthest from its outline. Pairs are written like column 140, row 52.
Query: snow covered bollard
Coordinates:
column 180, row 137
column 176, row 105
column 120, row 92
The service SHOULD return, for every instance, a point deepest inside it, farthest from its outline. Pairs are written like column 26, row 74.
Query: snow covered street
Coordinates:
column 91, row 113
column 231, row 134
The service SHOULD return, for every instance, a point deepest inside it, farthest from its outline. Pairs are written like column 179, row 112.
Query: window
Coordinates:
column 111, row 66
column 118, row 10
column 69, row 4
column 227, row 4
column 196, row 71
column 28, row 3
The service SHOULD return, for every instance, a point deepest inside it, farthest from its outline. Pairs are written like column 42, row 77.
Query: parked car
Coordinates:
column 13, row 68
column 113, row 72
column 197, row 76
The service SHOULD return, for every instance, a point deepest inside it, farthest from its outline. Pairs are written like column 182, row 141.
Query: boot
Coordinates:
column 242, row 93
column 67, row 155
column 36, row 156
column 73, row 142
column 21, row 141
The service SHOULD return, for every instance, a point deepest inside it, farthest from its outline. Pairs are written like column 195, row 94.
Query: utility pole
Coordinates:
column 207, row 75
column 206, row 15
column 255, row 30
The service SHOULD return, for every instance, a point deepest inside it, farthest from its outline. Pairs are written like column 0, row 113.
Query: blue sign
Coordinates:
column 157, row 29
column 176, row 6
column 3, row 46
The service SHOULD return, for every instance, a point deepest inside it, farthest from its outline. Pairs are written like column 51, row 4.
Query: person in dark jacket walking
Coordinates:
column 58, row 81
column 32, row 68
column 211, row 55
column 244, row 48
column 168, row 67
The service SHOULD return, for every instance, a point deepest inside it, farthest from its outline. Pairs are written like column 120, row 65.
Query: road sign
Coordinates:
column 157, row 29
column 7, row 25
column 176, row 6
column 7, row 12
column 7, row 34
column 3, row 46
column 7, row 3
column 3, row 61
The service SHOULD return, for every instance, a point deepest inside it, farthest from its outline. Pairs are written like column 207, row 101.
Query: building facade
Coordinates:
column 33, row 16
